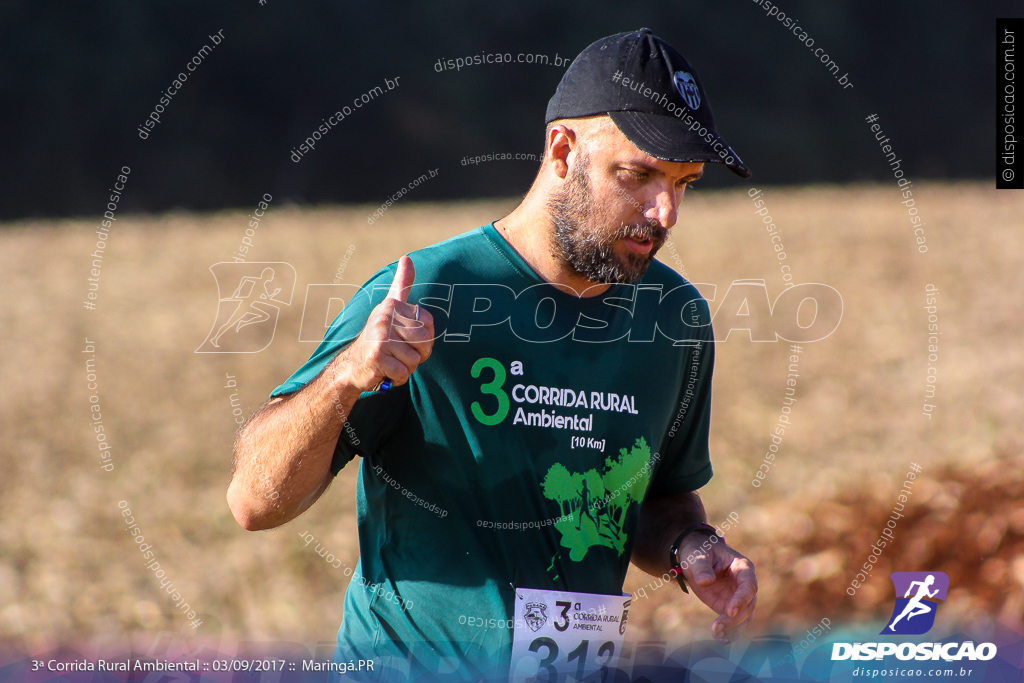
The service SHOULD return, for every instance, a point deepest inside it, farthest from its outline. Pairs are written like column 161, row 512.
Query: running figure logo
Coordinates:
column 915, row 614
column 247, row 318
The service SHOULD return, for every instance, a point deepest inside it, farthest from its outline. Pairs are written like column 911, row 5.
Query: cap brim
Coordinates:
column 669, row 139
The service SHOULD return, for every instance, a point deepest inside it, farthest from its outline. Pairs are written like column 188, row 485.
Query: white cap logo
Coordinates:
column 687, row 87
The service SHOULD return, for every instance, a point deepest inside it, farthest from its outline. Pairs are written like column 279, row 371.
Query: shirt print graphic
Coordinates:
column 594, row 504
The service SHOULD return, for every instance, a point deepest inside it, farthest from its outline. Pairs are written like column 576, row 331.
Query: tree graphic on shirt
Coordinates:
column 597, row 502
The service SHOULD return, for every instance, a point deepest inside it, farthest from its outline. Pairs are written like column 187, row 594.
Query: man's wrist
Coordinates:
column 342, row 376
column 676, row 567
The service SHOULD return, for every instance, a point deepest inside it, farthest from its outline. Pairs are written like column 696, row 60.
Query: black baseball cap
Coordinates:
column 651, row 93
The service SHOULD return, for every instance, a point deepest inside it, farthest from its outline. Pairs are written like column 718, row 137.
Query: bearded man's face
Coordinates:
column 590, row 242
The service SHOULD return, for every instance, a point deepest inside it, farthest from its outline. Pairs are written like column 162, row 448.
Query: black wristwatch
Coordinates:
column 673, row 559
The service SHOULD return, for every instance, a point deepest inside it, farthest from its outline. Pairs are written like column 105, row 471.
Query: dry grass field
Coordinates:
column 69, row 572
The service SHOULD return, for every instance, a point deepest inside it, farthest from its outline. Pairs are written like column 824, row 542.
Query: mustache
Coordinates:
column 641, row 232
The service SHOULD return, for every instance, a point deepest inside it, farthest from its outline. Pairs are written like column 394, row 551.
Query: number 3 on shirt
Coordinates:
column 493, row 388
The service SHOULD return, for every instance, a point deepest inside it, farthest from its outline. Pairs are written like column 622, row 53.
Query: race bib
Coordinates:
column 559, row 633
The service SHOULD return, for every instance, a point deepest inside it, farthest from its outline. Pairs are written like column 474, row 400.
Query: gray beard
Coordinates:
column 586, row 252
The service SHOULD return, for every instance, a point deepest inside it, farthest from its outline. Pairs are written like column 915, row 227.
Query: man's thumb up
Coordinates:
column 404, row 277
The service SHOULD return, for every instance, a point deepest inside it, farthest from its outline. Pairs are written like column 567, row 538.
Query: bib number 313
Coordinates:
column 559, row 633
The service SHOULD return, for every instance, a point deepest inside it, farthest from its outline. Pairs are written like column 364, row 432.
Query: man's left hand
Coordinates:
column 724, row 580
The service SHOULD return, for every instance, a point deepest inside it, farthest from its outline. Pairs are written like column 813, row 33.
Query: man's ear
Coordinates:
column 561, row 141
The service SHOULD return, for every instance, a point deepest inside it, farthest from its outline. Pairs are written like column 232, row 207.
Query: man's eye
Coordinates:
column 636, row 175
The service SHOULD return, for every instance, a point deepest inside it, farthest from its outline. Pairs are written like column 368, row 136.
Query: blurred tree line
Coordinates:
column 78, row 79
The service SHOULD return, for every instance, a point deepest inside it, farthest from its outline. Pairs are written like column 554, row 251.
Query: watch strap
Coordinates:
column 675, row 568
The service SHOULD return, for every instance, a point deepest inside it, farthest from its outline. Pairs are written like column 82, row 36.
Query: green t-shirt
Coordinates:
column 518, row 454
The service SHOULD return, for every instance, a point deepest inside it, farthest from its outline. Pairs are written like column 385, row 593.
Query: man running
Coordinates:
column 535, row 361
column 916, row 606
column 585, row 508
column 249, row 309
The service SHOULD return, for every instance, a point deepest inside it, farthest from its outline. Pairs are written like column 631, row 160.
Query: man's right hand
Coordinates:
column 283, row 453
column 393, row 341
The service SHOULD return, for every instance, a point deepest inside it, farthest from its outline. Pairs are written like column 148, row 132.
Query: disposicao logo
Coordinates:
column 917, row 596
column 915, row 614
column 258, row 291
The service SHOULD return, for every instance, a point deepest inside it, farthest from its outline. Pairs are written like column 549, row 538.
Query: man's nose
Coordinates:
column 665, row 209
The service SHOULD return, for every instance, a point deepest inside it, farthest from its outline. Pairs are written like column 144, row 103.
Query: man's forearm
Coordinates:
column 662, row 519
column 283, row 453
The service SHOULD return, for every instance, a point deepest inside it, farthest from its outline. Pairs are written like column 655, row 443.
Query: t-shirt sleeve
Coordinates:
column 686, row 459
column 373, row 416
